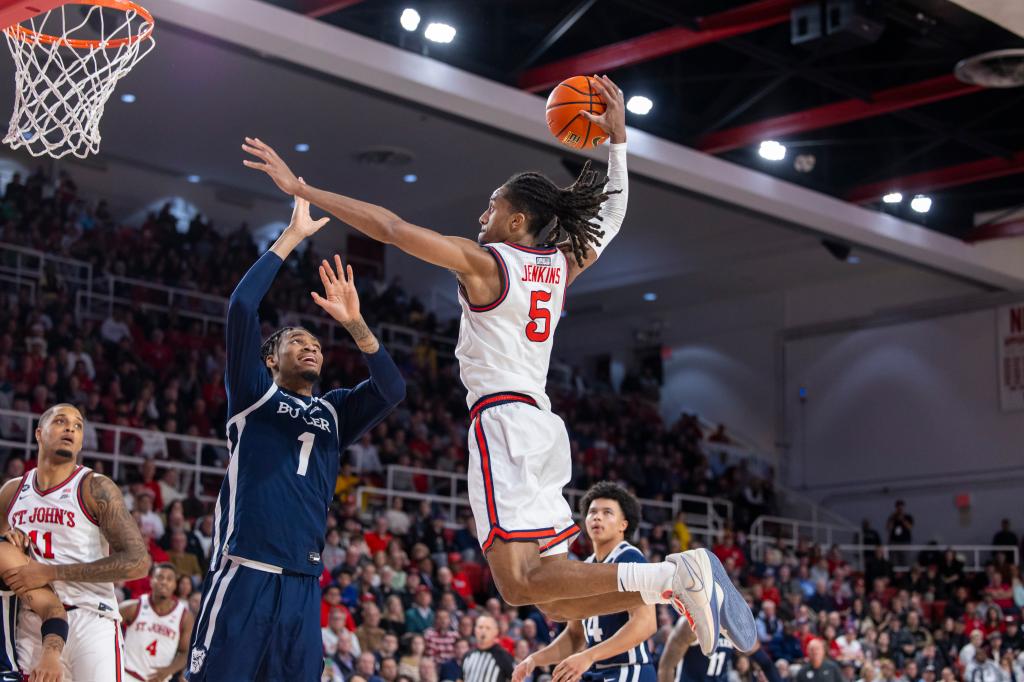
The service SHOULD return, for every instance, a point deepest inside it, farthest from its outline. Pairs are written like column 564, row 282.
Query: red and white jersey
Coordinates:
column 63, row 532
column 506, row 345
column 151, row 641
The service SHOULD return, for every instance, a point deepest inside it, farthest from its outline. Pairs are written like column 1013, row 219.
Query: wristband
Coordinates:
column 55, row 626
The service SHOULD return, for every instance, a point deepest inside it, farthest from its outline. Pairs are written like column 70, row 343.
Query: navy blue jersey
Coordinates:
column 285, row 447
column 696, row 667
column 599, row 628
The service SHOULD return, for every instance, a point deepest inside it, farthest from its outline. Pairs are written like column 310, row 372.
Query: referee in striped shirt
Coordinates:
column 490, row 662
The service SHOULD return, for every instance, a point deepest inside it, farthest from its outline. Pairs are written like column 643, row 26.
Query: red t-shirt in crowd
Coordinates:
column 377, row 543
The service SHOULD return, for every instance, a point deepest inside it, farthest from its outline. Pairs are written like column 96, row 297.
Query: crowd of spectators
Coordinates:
column 401, row 585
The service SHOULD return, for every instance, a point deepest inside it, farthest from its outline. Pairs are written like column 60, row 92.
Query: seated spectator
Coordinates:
column 413, row 648
column 185, row 563
column 818, row 668
column 370, row 633
column 440, row 639
column 420, row 616
column 331, row 601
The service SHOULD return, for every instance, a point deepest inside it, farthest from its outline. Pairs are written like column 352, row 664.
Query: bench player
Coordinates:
column 260, row 612
column 512, row 281
column 157, row 629
column 83, row 541
column 611, row 647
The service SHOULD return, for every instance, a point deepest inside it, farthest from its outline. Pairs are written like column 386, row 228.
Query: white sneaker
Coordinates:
column 697, row 595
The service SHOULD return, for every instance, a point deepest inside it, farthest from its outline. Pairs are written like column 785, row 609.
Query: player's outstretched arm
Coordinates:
column 458, row 254
column 613, row 210
column 45, row 603
column 368, row 402
column 128, row 557
column 642, row 624
column 568, row 642
column 246, row 377
column 679, row 640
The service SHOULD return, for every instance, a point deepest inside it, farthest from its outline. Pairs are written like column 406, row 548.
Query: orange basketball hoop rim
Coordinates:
column 127, row 6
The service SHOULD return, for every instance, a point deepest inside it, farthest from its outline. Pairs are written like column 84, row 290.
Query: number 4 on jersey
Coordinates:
column 151, row 649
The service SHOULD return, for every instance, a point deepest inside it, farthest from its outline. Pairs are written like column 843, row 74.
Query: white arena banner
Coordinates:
column 1010, row 338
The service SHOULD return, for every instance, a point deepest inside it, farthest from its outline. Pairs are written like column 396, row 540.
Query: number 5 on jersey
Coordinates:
column 538, row 329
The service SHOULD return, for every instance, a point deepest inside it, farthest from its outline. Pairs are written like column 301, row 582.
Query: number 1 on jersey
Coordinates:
column 533, row 327
column 307, row 447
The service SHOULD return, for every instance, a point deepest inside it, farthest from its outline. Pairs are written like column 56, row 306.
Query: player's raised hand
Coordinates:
column 613, row 120
column 340, row 299
column 301, row 221
column 271, row 164
column 524, row 669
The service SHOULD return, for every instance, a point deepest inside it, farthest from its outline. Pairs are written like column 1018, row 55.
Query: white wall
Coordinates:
column 907, row 410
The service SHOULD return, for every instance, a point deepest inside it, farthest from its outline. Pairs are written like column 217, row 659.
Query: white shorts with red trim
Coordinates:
column 93, row 653
column 519, row 461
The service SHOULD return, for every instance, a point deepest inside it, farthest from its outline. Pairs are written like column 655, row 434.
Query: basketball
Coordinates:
column 565, row 122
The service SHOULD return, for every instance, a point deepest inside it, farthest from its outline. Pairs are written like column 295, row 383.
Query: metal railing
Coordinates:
column 369, row 497
column 706, row 513
column 21, row 264
column 787, row 532
column 122, row 446
column 210, row 311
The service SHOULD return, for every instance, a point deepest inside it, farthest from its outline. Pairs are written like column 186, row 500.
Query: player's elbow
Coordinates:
column 395, row 393
column 240, row 306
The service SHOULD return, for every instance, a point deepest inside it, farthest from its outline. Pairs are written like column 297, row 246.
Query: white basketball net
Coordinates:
column 63, row 85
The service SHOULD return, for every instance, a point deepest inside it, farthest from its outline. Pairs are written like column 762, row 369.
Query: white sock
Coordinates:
column 654, row 598
column 652, row 579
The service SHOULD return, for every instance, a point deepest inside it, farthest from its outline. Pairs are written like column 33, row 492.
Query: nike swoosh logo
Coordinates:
column 697, row 584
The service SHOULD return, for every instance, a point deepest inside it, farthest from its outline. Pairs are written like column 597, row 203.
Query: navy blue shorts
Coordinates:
column 622, row 673
column 256, row 626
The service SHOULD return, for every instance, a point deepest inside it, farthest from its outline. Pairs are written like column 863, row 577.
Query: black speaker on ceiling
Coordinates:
column 835, row 25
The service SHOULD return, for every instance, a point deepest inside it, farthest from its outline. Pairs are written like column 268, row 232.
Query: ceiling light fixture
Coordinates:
column 650, row 296
column 410, row 19
column 772, row 150
column 921, row 203
column 302, row 147
column 638, row 104
column 127, row 98
column 193, row 179
column 439, row 33
column 892, row 198
column 410, row 177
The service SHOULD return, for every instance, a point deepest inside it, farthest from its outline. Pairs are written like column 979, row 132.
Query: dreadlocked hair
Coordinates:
column 568, row 211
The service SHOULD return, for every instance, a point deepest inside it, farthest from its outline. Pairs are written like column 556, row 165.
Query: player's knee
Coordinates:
column 514, row 589
column 556, row 611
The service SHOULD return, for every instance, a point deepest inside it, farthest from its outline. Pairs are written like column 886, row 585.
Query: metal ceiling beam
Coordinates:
column 1011, row 228
column 951, row 176
column 559, row 29
column 881, row 102
column 319, row 8
column 711, row 29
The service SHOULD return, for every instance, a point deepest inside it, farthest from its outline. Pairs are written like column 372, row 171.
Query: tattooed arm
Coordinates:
column 128, row 559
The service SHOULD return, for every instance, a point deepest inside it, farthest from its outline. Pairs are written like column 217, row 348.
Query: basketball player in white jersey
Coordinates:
column 83, row 540
column 512, row 280
column 158, row 627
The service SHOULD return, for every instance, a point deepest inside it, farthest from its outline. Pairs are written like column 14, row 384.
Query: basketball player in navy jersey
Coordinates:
column 612, row 647
column 535, row 239
column 681, row 662
column 260, row 614
column 44, row 602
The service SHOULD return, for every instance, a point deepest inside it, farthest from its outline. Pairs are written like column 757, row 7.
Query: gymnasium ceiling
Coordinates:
column 723, row 73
